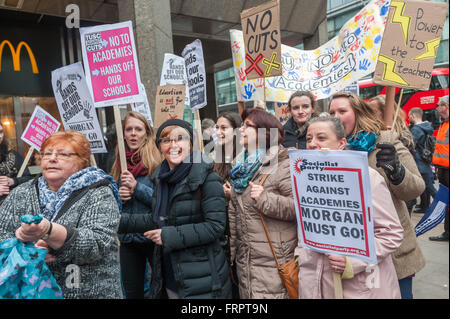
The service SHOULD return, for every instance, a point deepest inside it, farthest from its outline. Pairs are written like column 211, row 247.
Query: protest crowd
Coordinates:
column 215, row 210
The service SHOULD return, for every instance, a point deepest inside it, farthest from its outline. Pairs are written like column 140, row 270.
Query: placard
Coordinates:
column 143, row 107
column 111, row 64
column 282, row 112
column 75, row 105
column 169, row 103
column 196, row 75
column 346, row 58
column 40, row 126
column 262, row 38
column 333, row 204
column 174, row 72
column 408, row 52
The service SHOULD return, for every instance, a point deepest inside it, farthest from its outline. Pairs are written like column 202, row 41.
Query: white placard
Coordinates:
column 75, row 105
column 333, row 202
column 196, row 75
column 174, row 72
column 143, row 107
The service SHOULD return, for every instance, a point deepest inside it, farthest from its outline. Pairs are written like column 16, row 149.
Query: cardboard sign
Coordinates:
column 408, row 53
column 332, row 198
column 346, row 58
column 40, row 126
column 174, row 72
column 282, row 112
column 75, row 105
column 143, row 107
column 262, row 38
column 196, row 74
column 169, row 103
column 110, row 61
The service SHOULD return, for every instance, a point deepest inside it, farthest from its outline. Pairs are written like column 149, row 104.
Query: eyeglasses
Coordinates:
column 168, row 140
column 58, row 155
column 246, row 125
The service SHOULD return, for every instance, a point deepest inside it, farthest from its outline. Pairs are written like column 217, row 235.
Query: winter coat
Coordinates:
column 10, row 164
column 91, row 217
column 193, row 236
column 408, row 258
column 420, row 132
column 290, row 138
column 368, row 281
column 250, row 250
column 140, row 203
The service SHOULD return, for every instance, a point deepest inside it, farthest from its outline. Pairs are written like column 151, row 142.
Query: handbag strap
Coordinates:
column 265, row 228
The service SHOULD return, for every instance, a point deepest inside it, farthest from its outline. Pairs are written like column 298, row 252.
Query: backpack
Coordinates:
column 428, row 148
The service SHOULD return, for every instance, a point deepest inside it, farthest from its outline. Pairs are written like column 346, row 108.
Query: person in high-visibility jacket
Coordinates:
column 440, row 157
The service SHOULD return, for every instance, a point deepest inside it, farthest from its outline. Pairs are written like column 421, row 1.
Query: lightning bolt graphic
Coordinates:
column 397, row 17
column 389, row 73
column 431, row 46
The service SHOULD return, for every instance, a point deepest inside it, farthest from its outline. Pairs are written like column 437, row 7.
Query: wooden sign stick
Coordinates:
column 93, row 162
column 397, row 111
column 120, row 141
column 389, row 107
column 199, row 130
column 25, row 161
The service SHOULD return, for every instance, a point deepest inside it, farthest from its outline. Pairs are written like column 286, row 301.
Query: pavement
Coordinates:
column 432, row 281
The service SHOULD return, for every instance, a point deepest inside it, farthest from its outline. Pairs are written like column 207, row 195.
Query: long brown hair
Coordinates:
column 365, row 117
column 149, row 153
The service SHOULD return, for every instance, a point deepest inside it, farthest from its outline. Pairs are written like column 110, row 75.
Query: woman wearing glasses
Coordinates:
column 136, row 191
column 187, row 222
column 366, row 132
column 10, row 163
column 81, row 206
column 261, row 136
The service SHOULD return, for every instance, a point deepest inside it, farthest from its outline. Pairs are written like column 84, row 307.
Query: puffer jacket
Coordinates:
column 408, row 258
column 250, row 250
column 140, row 203
column 193, row 236
column 291, row 139
column 368, row 281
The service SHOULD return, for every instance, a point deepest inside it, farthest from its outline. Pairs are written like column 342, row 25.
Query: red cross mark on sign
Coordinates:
column 254, row 64
column 172, row 116
column 271, row 64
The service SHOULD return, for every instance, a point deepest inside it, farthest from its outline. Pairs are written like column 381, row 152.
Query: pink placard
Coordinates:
column 111, row 69
column 39, row 128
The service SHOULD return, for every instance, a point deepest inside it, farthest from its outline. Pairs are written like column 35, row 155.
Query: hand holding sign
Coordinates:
column 256, row 191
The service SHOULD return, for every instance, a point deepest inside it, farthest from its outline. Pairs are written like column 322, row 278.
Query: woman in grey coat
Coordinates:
column 80, row 205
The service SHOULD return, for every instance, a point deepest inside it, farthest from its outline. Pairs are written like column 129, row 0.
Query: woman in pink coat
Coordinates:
column 359, row 279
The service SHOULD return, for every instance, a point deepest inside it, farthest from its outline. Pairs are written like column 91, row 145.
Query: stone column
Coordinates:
column 152, row 25
column 312, row 43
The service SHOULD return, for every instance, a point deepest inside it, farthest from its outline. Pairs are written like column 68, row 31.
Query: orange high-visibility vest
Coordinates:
column 440, row 156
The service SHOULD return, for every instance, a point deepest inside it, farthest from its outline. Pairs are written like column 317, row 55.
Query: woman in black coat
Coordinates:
column 187, row 222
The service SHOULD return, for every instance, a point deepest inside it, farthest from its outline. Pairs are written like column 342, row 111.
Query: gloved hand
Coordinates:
column 387, row 159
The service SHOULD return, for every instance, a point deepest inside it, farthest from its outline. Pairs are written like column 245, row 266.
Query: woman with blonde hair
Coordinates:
column 387, row 154
column 136, row 191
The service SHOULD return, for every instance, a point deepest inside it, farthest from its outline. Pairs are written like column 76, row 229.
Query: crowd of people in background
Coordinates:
column 177, row 223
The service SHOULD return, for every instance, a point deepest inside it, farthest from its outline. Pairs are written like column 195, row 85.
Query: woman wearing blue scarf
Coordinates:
column 261, row 136
column 366, row 132
column 81, row 206
column 187, row 223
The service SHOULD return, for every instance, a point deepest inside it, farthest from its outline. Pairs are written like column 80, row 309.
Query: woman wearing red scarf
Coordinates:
column 136, row 191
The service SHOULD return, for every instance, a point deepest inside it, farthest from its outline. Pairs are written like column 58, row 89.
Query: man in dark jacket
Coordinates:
column 420, row 130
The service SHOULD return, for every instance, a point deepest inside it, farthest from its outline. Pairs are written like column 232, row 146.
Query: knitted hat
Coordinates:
column 176, row 122
column 444, row 99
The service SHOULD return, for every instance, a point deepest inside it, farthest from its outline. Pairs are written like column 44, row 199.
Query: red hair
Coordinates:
column 262, row 119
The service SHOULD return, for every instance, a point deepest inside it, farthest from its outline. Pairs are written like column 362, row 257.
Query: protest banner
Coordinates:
column 169, row 103
column 40, row 126
column 143, row 107
column 346, row 58
column 333, row 202
column 407, row 54
column 174, row 72
column 196, row 74
column 282, row 112
column 111, row 65
column 75, row 105
column 262, row 38
column 435, row 213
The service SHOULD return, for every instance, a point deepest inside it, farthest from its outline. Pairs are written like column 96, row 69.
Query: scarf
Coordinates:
column 169, row 180
column 245, row 168
column 51, row 202
column 134, row 164
column 363, row 141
